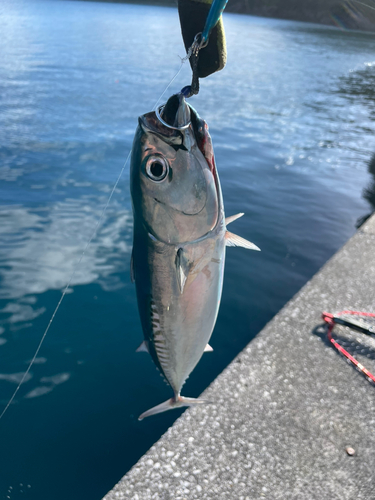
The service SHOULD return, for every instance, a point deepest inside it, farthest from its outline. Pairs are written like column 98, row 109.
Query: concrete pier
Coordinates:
column 284, row 411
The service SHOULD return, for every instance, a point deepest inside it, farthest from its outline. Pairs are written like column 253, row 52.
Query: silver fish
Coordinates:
column 179, row 241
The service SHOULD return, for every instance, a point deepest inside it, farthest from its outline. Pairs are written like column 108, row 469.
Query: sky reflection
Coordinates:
column 41, row 249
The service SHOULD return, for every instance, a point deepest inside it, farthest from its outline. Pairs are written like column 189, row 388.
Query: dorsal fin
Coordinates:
column 232, row 218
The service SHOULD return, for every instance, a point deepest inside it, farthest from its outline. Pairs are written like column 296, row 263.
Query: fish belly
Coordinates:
column 178, row 324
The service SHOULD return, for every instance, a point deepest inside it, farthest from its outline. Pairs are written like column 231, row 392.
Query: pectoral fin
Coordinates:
column 183, row 267
column 232, row 218
column 232, row 240
column 143, row 347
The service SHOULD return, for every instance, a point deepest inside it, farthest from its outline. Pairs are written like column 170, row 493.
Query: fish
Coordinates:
column 179, row 240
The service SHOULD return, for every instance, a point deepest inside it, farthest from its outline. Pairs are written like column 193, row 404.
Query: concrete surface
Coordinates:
column 284, row 411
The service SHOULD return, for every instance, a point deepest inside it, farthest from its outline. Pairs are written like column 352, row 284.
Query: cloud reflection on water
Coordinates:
column 54, row 380
column 15, row 378
column 42, row 248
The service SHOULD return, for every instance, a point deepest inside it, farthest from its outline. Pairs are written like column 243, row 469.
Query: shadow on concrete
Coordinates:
column 321, row 331
column 354, row 344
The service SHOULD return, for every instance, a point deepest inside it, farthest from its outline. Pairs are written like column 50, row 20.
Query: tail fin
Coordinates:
column 170, row 404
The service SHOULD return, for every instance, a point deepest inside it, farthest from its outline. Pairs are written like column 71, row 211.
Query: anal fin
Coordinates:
column 208, row 348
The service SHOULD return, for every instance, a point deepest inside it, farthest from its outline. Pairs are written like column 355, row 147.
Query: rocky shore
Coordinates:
column 341, row 13
column 344, row 14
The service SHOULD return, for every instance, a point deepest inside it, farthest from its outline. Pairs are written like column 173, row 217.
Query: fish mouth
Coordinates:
column 175, row 113
column 180, row 211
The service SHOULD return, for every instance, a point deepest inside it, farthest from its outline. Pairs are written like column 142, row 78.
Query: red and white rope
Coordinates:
column 330, row 320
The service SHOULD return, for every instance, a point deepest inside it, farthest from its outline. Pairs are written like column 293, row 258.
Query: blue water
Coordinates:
column 292, row 118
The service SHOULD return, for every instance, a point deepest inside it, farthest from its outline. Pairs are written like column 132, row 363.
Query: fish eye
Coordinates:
column 156, row 168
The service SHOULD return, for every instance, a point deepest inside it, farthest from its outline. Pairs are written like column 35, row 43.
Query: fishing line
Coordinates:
column 183, row 60
column 67, row 286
